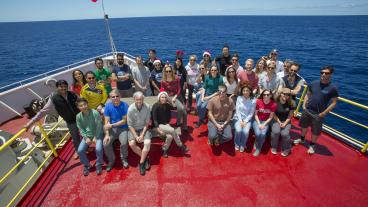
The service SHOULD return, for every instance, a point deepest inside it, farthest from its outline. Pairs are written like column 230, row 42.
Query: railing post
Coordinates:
column 47, row 139
column 301, row 100
column 364, row 149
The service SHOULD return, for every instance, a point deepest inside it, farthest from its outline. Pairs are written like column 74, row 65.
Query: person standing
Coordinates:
column 321, row 98
column 224, row 60
column 64, row 102
column 141, row 76
column 94, row 93
column 122, row 74
column 103, row 75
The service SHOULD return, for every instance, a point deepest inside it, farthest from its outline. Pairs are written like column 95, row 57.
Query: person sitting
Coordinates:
column 64, row 102
column 122, row 74
column 282, row 122
column 94, row 93
column 285, row 72
column 265, row 109
column 231, row 82
column 171, row 85
column 103, row 75
column 116, row 127
column 260, row 66
column 244, row 112
column 292, row 80
column 90, row 127
column 161, row 115
column 235, row 63
column 78, row 82
column 210, row 90
column 220, row 111
column 139, row 115
column 156, row 77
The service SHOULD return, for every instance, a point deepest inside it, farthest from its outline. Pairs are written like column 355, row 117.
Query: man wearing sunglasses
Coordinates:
column 292, row 80
column 320, row 100
column 94, row 93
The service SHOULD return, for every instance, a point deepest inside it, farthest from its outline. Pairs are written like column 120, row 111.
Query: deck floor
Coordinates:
column 335, row 176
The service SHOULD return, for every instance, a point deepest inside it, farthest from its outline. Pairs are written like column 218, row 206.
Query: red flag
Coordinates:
column 94, row 1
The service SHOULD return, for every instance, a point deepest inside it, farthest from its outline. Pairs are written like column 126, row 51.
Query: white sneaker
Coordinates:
column 241, row 149
column 299, row 141
column 311, row 149
column 274, row 151
column 285, row 153
column 256, row 153
column 236, row 148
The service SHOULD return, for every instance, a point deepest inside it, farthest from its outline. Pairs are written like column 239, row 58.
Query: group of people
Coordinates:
column 230, row 96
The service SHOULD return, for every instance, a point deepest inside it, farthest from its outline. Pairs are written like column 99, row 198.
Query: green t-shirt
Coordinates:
column 211, row 84
column 90, row 125
column 104, row 75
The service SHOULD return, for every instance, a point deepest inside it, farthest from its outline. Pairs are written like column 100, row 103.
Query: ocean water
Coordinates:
column 31, row 48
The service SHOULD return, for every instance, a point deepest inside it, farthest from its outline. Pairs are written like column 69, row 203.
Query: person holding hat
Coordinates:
column 282, row 122
column 161, row 116
column 156, row 77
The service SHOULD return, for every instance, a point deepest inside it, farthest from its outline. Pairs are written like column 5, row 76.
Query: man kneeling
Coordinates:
column 138, row 119
column 220, row 111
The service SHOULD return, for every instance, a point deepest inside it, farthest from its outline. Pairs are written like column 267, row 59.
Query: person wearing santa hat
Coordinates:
column 161, row 115
column 156, row 77
column 206, row 61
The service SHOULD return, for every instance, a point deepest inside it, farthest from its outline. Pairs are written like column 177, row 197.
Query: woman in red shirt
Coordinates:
column 171, row 84
column 78, row 82
column 265, row 110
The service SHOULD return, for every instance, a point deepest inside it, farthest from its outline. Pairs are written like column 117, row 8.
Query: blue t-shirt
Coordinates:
column 157, row 76
column 116, row 113
column 321, row 94
column 120, row 71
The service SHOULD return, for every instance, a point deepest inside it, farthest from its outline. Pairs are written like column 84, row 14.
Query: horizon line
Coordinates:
column 258, row 15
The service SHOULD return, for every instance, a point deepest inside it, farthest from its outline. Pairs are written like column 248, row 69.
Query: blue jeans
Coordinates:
column 241, row 133
column 202, row 109
column 83, row 146
column 260, row 134
column 76, row 139
column 213, row 132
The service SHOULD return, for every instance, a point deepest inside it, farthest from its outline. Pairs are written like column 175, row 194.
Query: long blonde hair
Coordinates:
column 164, row 76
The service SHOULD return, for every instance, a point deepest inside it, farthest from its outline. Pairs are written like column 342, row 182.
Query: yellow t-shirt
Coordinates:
column 94, row 96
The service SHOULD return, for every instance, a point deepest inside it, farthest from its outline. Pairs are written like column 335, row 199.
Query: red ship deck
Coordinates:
column 334, row 176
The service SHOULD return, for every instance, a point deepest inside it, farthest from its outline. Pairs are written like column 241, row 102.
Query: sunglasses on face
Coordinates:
column 266, row 94
column 295, row 71
column 326, row 73
column 168, row 71
column 286, row 94
column 114, row 96
column 192, row 60
column 91, row 78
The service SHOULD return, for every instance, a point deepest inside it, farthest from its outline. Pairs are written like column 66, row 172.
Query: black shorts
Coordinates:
column 307, row 119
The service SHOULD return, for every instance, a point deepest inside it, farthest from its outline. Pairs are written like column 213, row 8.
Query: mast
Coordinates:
column 111, row 40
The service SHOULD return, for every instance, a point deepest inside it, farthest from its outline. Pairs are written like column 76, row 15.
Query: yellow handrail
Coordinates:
column 46, row 136
column 301, row 100
column 12, row 139
column 353, row 103
column 349, row 120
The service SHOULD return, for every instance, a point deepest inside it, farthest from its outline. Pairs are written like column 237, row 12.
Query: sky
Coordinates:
column 46, row 10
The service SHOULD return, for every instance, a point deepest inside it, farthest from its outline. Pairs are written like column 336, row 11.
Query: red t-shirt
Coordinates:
column 172, row 87
column 264, row 110
column 251, row 79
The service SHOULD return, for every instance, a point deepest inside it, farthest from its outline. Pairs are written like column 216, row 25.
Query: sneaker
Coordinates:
column 236, row 148
column 142, row 169
column 274, row 151
column 242, row 149
column 125, row 163
column 311, row 149
column 184, row 148
column 164, row 153
column 285, row 153
column 108, row 168
column 147, row 163
column 256, row 153
column 98, row 169
column 86, row 170
column 299, row 141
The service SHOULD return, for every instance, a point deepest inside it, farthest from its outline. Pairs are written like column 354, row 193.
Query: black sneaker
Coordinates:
column 147, row 164
column 142, row 169
column 164, row 153
column 125, row 163
column 86, row 170
column 98, row 169
column 184, row 148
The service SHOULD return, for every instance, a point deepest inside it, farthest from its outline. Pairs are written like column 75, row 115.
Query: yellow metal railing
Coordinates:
column 351, row 139
column 45, row 137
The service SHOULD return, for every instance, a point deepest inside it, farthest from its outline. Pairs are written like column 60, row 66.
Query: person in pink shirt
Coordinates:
column 248, row 76
column 265, row 110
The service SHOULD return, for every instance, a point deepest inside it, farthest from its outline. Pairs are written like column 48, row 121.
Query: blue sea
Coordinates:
column 31, row 48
